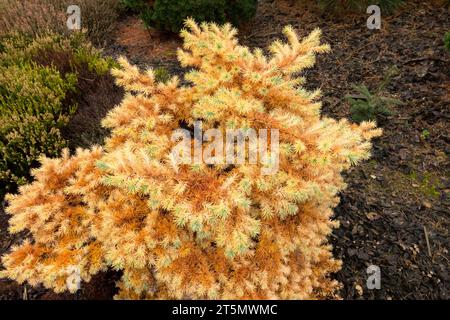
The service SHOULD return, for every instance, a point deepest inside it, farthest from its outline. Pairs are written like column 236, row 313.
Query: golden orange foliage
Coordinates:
column 197, row 231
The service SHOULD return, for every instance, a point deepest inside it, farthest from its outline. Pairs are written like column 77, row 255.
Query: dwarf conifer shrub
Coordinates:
column 367, row 105
column 169, row 14
column 194, row 230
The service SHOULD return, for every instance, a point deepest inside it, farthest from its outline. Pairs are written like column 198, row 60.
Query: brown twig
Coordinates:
column 427, row 240
column 424, row 59
column 25, row 293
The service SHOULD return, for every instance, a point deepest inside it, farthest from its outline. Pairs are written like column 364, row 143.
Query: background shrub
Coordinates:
column 38, row 87
column 170, row 14
column 96, row 91
column 37, row 17
column 372, row 106
column 32, row 17
column 369, row 106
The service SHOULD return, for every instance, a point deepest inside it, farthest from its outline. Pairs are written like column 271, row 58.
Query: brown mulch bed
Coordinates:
column 392, row 199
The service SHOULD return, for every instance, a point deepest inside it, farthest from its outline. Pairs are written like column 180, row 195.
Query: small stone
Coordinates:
column 372, row 216
column 351, row 252
column 426, row 204
column 359, row 290
column 363, row 255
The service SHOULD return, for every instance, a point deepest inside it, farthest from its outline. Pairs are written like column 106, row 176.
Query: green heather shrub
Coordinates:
column 76, row 49
column 38, row 83
column 38, row 17
column 31, row 116
column 169, row 15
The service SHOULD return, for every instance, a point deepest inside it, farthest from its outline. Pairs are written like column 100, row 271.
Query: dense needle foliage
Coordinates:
column 196, row 230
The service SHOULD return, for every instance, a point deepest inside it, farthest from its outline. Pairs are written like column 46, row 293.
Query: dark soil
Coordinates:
column 97, row 95
column 393, row 199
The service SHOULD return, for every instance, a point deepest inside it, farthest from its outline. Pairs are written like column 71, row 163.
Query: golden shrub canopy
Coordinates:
column 197, row 231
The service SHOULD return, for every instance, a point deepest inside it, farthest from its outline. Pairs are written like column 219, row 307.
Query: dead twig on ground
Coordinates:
column 427, row 240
